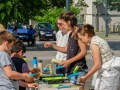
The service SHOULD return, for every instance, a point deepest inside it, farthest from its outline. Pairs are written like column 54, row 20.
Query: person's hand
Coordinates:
column 82, row 79
column 36, row 75
column 28, row 78
column 47, row 44
column 65, row 63
column 34, row 70
column 32, row 85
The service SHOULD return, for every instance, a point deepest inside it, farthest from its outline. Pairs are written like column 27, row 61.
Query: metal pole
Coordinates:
column 67, row 5
column 95, row 16
column 106, row 18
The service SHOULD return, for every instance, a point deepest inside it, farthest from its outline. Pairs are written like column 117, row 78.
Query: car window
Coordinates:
column 45, row 25
column 11, row 26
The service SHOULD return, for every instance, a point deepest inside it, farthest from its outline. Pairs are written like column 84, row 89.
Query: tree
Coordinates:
column 112, row 4
column 51, row 15
column 22, row 10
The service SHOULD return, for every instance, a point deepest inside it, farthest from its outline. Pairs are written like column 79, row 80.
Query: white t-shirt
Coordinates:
column 61, row 40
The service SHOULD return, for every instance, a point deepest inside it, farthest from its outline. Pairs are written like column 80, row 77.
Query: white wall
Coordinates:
column 89, row 12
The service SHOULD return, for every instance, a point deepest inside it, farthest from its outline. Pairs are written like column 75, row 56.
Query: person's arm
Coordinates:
column 97, row 62
column 80, row 55
column 29, row 85
column 15, row 75
column 34, row 70
column 61, row 49
column 58, row 48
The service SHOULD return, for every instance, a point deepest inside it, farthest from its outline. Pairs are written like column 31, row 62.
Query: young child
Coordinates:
column 17, row 51
column 9, row 77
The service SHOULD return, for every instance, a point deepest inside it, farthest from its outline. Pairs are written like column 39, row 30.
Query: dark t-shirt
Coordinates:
column 72, row 50
column 21, row 67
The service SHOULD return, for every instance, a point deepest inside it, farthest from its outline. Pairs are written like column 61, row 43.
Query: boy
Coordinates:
column 17, row 52
column 9, row 77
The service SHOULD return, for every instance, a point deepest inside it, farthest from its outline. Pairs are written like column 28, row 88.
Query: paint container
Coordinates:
column 35, row 62
column 76, row 69
column 40, row 66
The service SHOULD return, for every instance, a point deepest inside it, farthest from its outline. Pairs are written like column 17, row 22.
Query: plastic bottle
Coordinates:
column 24, row 57
column 40, row 66
column 76, row 69
column 35, row 62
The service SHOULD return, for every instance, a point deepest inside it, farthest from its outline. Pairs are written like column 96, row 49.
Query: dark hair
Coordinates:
column 15, row 28
column 6, row 36
column 18, row 46
column 69, row 16
column 87, row 28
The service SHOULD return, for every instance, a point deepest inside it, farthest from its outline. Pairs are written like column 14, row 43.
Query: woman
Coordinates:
column 76, row 50
column 106, row 77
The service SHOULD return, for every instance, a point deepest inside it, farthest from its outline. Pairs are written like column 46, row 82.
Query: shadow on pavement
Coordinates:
column 38, row 48
column 114, row 45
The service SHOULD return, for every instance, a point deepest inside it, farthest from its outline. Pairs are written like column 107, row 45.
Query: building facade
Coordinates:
column 99, row 16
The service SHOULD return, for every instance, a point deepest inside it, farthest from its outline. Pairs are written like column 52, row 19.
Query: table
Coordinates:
column 45, row 86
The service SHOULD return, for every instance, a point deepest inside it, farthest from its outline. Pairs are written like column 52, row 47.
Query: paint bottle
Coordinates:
column 24, row 57
column 76, row 69
column 40, row 66
column 35, row 62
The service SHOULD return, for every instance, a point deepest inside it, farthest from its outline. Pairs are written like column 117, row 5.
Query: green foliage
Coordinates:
column 75, row 10
column 81, row 3
column 23, row 10
column 51, row 15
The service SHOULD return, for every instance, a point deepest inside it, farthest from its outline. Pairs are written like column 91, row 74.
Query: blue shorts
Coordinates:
column 74, row 79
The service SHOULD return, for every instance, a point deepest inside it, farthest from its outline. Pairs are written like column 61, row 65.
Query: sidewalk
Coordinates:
column 111, row 36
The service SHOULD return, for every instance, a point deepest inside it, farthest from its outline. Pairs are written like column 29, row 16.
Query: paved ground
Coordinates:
column 47, row 54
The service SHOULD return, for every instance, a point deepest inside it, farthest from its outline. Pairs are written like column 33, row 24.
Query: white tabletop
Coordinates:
column 45, row 86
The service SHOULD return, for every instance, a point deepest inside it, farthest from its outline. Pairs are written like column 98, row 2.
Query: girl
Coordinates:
column 106, row 77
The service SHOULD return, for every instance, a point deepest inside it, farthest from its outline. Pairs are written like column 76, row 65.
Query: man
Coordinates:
column 31, row 37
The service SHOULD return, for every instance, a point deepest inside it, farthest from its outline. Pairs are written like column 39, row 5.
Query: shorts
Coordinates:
column 74, row 79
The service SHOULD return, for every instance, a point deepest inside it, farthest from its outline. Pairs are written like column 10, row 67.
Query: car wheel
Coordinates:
column 54, row 39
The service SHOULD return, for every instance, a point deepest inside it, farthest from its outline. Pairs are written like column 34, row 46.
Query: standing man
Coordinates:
column 31, row 36
column 61, row 40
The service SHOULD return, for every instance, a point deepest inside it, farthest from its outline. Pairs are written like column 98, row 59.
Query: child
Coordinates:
column 17, row 51
column 9, row 77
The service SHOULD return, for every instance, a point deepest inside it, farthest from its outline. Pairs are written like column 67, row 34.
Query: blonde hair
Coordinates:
column 6, row 36
column 2, row 28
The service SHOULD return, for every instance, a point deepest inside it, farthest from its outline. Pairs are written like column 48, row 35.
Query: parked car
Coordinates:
column 45, row 31
column 22, row 32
